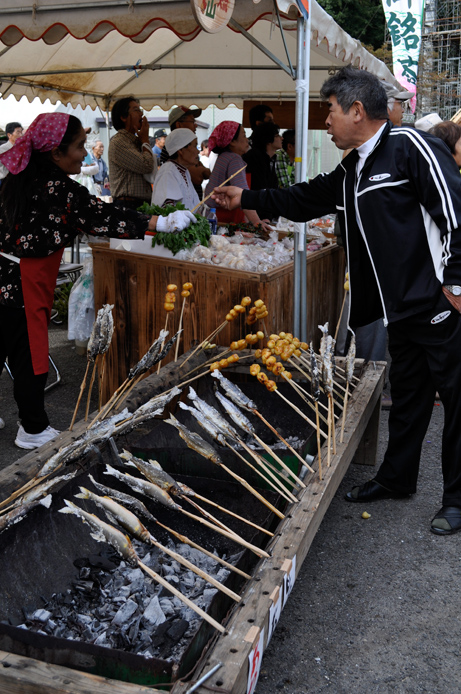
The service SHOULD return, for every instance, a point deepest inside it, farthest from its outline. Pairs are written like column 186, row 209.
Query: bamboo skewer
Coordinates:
column 301, row 414
column 182, row 597
column 207, row 339
column 234, row 515
column 280, row 437
column 90, row 388
column 231, row 536
column 179, row 329
column 82, row 388
column 319, row 445
column 101, row 380
column 205, row 513
column 280, row 461
column 195, row 569
column 333, row 432
column 304, row 395
column 189, row 542
column 343, row 422
column 163, row 342
column 221, row 184
column 309, row 378
column 276, row 485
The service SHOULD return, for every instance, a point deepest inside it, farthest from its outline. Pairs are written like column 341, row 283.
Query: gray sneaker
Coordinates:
column 30, row 441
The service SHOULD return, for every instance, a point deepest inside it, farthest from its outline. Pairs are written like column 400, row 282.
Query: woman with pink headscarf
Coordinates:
column 41, row 211
column 229, row 142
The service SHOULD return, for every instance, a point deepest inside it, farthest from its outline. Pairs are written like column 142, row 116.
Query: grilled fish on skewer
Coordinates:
column 151, row 470
column 194, row 441
column 130, row 501
column 21, row 511
column 350, row 360
column 315, row 375
column 211, row 413
column 234, row 413
column 234, row 392
column 143, row 487
column 103, row 532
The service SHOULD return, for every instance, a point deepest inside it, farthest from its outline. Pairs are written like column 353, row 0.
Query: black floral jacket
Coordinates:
column 61, row 209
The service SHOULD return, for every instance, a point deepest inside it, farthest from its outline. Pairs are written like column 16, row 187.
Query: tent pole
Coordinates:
column 305, row 142
column 298, row 174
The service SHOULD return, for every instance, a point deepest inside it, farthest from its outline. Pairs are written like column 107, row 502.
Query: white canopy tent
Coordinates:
column 83, row 53
column 92, row 54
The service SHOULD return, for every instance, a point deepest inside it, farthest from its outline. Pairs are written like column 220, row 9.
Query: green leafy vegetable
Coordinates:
column 199, row 231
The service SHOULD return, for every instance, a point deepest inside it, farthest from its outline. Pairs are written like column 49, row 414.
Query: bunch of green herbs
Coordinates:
column 199, row 231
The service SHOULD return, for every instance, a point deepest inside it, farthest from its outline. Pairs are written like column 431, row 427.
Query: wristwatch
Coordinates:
column 454, row 289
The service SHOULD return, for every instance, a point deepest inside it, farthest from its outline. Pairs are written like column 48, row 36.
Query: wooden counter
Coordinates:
column 136, row 285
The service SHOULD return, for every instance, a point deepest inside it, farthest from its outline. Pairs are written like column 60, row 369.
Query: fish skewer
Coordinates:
column 328, row 383
column 129, row 522
column 210, row 428
column 245, row 424
column 155, row 472
column 239, row 398
column 350, row 361
column 196, row 443
column 103, row 532
column 315, row 389
column 154, row 492
column 143, row 365
column 137, row 505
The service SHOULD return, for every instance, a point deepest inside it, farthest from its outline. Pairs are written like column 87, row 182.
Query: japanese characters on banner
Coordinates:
column 404, row 21
column 212, row 15
column 278, row 598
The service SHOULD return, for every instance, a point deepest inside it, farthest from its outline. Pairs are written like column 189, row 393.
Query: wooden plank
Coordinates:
column 292, row 541
column 20, row 675
column 136, row 285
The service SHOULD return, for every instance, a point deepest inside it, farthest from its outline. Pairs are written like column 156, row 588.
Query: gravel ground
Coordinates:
column 376, row 607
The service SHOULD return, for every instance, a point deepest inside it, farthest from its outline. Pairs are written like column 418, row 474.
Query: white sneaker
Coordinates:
column 2, row 423
column 30, row 441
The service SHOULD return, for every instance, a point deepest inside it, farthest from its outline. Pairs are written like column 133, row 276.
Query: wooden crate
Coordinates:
column 254, row 618
column 136, row 285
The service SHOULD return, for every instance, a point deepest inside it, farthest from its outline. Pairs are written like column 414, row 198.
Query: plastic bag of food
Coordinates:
column 81, row 304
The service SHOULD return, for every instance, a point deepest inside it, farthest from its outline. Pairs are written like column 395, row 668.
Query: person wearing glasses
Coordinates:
column 396, row 101
column 132, row 163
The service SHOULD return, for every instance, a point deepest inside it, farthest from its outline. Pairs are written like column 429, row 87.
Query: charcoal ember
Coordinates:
column 187, row 582
column 28, row 611
column 84, row 586
column 60, row 631
column 81, row 562
column 208, row 595
column 167, row 606
column 102, row 640
column 84, row 573
column 178, row 629
column 102, row 561
column 134, row 631
column 174, row 581
column 104, row 579
column 153, row 614
column 136, row 580
column 125, row 612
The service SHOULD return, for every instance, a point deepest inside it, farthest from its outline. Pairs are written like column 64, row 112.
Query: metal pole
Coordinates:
column 298, row 179
column 305, row 141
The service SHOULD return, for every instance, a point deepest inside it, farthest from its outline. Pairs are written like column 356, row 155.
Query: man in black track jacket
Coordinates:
column 398, row 197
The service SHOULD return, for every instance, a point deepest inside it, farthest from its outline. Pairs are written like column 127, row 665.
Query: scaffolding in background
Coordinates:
column 440, row 87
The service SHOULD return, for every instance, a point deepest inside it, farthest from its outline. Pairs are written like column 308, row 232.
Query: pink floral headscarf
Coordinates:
column 223, row 134
column 46, row 132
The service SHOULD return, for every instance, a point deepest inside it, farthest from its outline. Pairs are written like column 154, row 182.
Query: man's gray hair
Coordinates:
column 350, row 84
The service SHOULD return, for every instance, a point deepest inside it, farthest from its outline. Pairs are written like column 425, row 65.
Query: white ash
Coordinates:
column 123, row 608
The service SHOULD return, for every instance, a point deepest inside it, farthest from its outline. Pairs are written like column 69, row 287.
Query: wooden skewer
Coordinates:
column 182, row 597
column 82, row 388
column 303, row 361
column 339, row 368
column 90, row 388
column 231, row 536
column 319, row 445
column 205, row 513
column 163, row 341
column 221, row 184
column 280, row 462
column 207, row 339
column 179, row 329
column 280, row 437
column 296, row 409
column 111, row 402
column 302, row 394
column 333, row 432
column 195, row 569
column 308, row 377
column 101, row 380
column 346, row 398
column 329, row 436
column 234, row 515
column 189, row 542
column 276, row 484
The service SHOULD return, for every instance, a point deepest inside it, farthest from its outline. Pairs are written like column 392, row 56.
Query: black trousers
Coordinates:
column 426, row 357
column 29, row 390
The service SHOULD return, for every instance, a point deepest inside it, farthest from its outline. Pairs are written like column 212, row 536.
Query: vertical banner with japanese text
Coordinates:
column 404, row 21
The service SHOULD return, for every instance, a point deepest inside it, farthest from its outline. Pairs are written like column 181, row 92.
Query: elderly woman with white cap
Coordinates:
column 173, row 183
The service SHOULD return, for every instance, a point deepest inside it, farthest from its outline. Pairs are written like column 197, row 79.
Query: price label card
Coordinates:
column 289, row 566
column 254, row 663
